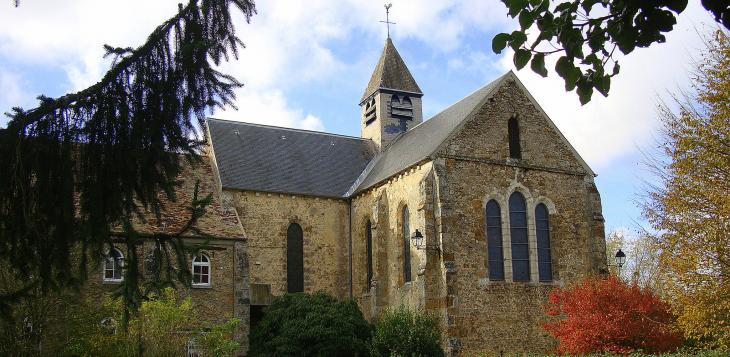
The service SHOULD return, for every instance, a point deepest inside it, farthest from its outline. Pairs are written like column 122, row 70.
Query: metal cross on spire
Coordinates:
column 387, row 18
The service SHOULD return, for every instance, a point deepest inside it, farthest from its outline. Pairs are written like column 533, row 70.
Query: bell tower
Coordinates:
column 391, row 103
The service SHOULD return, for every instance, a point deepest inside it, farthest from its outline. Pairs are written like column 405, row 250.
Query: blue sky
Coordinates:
column 307, row 63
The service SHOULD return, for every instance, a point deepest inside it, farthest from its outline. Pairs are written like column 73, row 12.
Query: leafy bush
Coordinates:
column 607, row 315
column 312, row 325
column 401, row 332
column 163, row 327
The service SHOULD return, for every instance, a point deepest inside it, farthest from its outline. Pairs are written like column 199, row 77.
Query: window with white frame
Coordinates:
column 201, row 270
column 113, row 265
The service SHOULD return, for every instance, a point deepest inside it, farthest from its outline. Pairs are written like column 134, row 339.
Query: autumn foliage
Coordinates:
column 607, row 315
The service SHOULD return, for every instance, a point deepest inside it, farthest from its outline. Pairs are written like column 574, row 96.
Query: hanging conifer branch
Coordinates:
column 77, row 165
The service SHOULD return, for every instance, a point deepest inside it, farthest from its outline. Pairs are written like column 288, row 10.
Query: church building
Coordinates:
column 474, row 214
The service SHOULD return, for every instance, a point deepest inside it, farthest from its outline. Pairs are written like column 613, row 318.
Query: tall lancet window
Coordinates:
column 519, row 242
column 495, row 257
column 406, row 246
column 544, row 258
column 369, row 247
column 513, row 131
column 294, row 259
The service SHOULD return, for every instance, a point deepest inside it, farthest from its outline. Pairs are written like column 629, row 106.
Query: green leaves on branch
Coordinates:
column 587, row 33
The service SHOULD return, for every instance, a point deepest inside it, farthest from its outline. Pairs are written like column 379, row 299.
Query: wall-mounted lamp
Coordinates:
column 420, row 243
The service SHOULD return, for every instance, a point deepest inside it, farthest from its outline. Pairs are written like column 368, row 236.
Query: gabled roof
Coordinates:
column 422, row 140
column 219, row 221
column 273, row 159
column 391, row 73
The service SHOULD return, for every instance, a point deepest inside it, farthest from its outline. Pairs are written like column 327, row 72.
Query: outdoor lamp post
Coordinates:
column 620, row 260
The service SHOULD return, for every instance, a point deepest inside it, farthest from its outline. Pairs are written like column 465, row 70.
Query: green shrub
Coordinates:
column 401, row 332
column 312, row 325
column 162, row 327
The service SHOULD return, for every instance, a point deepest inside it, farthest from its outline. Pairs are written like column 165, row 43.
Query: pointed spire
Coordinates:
column 391, row 73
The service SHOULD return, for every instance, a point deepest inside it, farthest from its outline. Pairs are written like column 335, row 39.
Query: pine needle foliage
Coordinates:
column 78, row 165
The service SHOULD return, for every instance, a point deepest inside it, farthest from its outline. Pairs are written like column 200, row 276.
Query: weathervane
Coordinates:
column 387, row 18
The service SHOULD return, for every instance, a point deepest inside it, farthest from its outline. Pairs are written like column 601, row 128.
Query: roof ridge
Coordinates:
column 289, row 129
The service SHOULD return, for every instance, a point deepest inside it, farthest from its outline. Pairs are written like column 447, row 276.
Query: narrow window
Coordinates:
column 495, row 257
column 518, row 234
column 294, row 259
column 542, row 228
column 113, row 265
column 201, row 270
column 369, row 247
column 513, row 131
column 406, row 246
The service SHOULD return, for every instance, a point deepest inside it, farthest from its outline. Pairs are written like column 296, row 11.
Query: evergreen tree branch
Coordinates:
column 80, row 164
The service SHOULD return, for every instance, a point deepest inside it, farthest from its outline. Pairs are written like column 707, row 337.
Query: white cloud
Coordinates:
column 288, row 42
column 607, row 128
column 290, row 47
column 269, row 108
column 12, row 92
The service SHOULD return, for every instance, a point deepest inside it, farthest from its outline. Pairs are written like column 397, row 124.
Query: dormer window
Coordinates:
column 401, row 107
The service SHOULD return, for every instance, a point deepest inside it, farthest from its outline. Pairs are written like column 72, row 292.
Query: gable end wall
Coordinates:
column 474, row 166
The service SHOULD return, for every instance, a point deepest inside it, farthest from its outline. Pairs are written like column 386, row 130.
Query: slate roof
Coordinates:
column 391, row 73
column 219, row 221
column 273, row 159
column 422, row 140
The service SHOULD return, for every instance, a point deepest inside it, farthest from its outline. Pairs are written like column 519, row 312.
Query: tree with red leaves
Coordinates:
column 607, row 315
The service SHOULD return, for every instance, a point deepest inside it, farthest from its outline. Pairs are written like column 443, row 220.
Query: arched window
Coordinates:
column 518, row 234
column 406, row 246
column 294, row 259
column 407, row 102
column 369, row 247
column 513, row 131
column 542, row 228
column 201, row 270
column 113, row 265
column 394, row 100
column 495, row 257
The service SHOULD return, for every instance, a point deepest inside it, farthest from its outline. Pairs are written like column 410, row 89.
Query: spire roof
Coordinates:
column 391, row 73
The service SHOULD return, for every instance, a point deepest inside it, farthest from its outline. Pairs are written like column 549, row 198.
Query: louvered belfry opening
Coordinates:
column 370, row 111
column 294, row 259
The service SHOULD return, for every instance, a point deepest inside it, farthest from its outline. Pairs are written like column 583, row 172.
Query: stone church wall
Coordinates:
column 383, row 206
column 265, row 218
column 486, row 316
